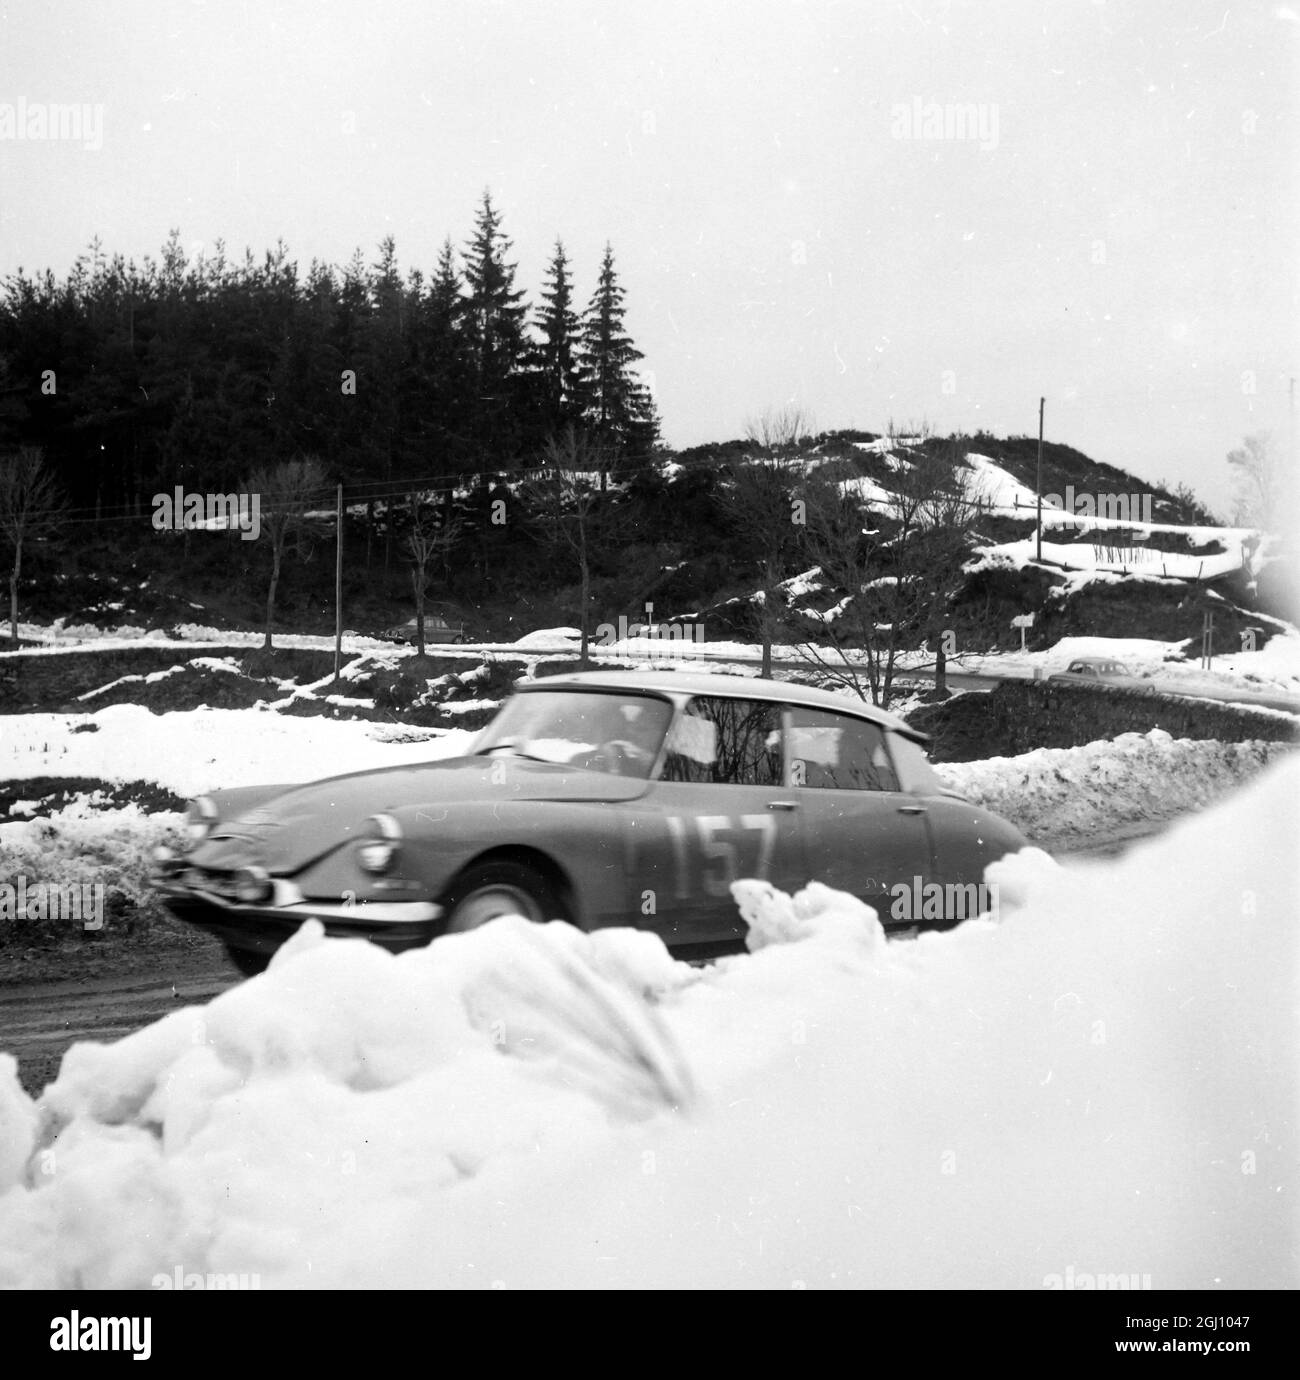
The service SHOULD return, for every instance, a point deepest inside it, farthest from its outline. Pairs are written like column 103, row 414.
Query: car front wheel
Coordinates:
column 493, row 889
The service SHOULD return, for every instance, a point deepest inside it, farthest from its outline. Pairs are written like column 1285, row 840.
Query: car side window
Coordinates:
column 725, row 742
column 837, row 752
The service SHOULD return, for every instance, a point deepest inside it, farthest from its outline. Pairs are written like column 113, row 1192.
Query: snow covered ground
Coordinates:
column 1102, row 1082
column 193, row 751
column 1274, row 668
column 1093, row 560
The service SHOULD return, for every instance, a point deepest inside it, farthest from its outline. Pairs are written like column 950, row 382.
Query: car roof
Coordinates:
column 737, row 687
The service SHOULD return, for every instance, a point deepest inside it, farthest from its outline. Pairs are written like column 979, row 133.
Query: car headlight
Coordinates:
column 379, row 850
column 200, row 818
column 166, row 861
column 252, row 885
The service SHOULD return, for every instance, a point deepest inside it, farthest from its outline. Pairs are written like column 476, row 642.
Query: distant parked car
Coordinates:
column 1093, row 668
column 437, row 628
column 603, row 799
column 1101, row 670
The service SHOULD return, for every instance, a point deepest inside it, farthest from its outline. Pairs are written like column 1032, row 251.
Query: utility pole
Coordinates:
column 1038, row 485
column 338, row 585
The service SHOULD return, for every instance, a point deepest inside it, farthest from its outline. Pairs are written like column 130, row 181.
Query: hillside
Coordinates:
column 671, row 535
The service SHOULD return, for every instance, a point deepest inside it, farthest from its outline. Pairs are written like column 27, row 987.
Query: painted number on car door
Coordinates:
column 707, row 859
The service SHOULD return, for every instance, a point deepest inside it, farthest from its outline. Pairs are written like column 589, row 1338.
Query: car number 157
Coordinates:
column 721, row 861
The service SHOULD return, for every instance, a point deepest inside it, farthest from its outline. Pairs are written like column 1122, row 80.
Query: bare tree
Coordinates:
column 565, row 501
column 897, row 568
column 1259, row 482
column 948, row 510
column 909, row 433
column 766, row 499
column 780, row 430
column 29, row 508
column 285, row 492
column 429, row 538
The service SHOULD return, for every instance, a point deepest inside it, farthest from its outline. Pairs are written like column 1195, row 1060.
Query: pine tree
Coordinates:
column 494, row 327
column 619, row 408
column 556, row 356
column 442, row 367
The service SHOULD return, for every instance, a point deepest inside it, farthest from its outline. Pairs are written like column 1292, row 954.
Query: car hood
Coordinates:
column 289, row 827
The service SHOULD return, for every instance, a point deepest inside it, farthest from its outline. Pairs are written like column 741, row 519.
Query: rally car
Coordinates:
column 601, row 798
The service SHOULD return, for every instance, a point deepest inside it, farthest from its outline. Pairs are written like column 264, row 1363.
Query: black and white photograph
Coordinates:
column 650, row 647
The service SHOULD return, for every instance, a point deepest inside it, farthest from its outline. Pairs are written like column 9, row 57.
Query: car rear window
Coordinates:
column 915, row 773
column 838, row 752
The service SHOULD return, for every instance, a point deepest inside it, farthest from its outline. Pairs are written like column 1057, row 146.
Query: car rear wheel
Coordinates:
column 493, row 889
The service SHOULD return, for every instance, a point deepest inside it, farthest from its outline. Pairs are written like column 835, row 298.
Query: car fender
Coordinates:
column 581, row 840
column 965, row 838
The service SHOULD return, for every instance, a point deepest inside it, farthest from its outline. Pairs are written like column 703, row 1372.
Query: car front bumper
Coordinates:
column 262, row 927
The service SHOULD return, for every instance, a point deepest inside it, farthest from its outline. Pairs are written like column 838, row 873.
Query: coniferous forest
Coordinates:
column 196, row 371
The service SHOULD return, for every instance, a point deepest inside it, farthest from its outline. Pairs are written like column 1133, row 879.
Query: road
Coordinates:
column 698, row 654
column 39, row 1021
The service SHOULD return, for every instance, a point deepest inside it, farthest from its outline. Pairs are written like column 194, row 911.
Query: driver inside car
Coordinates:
column 626, row 738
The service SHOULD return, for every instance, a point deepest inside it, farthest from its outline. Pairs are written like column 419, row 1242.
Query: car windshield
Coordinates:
column 598, row 731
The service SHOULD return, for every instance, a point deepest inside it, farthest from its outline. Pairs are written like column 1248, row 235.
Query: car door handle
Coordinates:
column 782, row 804
column 911, row 809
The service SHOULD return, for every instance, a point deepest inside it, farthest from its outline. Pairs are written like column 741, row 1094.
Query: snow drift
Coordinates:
column 1102, row 1082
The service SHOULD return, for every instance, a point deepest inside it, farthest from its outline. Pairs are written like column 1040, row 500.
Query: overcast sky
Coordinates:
column 1112, row 226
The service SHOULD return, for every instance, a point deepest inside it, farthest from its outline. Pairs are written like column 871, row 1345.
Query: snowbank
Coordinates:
column 1103, row 1082
column 546, row 638
column 1058, row 794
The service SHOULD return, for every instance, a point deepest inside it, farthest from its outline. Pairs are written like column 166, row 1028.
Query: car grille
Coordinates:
column 206, row 879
